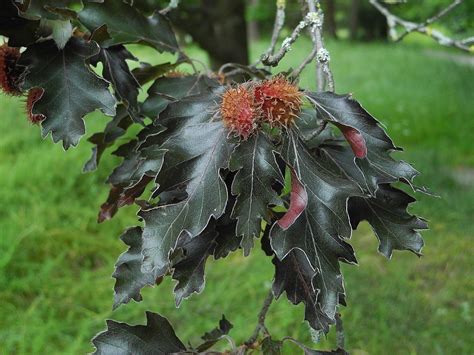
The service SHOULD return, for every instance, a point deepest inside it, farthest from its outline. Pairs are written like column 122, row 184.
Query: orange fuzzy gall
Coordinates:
column 279, row 101
column 9, row 72
column 238, row 111
column 33, row 96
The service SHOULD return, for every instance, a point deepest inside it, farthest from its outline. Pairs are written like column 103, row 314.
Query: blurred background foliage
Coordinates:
column 56, row 262
column 231, row 24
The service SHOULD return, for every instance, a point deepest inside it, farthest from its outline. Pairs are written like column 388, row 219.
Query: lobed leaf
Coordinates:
column 387, row 213
column 212, row 337
column 130, row 179
column 131, row 27
column 313, row 130
column 114, row 129
column 129, row 277
column 227, row 241
column 71, row 89
column 156, row 337
column 257, row 170
column 187, row 262
column 49, row 9
column 321, row 229
column 295, row 276
column 377, row 166
column 20, row 31
column 166, row 90
column 188, row 270
column 189, row 165
column 116, row 71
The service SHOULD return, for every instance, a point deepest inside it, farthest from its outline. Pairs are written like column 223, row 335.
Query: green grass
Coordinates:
column 56, row 262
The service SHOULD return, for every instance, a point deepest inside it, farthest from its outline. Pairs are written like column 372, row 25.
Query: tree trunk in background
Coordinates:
column 354, row 19
column 219, row 27
column 330, row 18
column 253, row 30
column 373, row 24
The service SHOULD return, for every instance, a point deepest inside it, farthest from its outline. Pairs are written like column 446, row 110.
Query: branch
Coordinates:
column 432, row 19
column 171, row 6
column 273, row 60
column 261, row 319
column 278, row 25
column 339, row 332
column 324, row 73
column 316, row 37
column 469, row 40
column 442, row 13
column 314, row 20
column 423, row 28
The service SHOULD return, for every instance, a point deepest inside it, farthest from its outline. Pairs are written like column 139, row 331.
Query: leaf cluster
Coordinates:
column 204, row 193
column 212, row 194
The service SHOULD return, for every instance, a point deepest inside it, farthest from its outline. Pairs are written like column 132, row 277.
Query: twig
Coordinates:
column 409, row 27
column 184, row 58
column 314, row 20
column 233, row 72
column 273, row 60
column 339, row 332
column 296, row 73
column 323, row 70
column 230, row 341
column 171, row 6
column 316, row 38
column 278, row 25
column 468, row 40
column 261, row 319
column 324, row 58
column 223, row 68
column 294, row 341
column 434, row 18
column 306, row 350
column 200, row 62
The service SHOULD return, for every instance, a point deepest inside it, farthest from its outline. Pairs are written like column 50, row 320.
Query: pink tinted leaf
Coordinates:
column 356, row 141
column 298, row 202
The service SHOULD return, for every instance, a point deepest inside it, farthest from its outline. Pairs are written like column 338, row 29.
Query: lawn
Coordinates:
column 56, row 262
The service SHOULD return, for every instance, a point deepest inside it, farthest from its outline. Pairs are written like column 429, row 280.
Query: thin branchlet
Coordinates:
column 261, row 319
column 468, row 40
column 316, row 37
column 173, row 4
column 423, row 27
column 274, row 59
column 324, row 74
column 313, row 20
column 278, row 25
column 340, row 338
